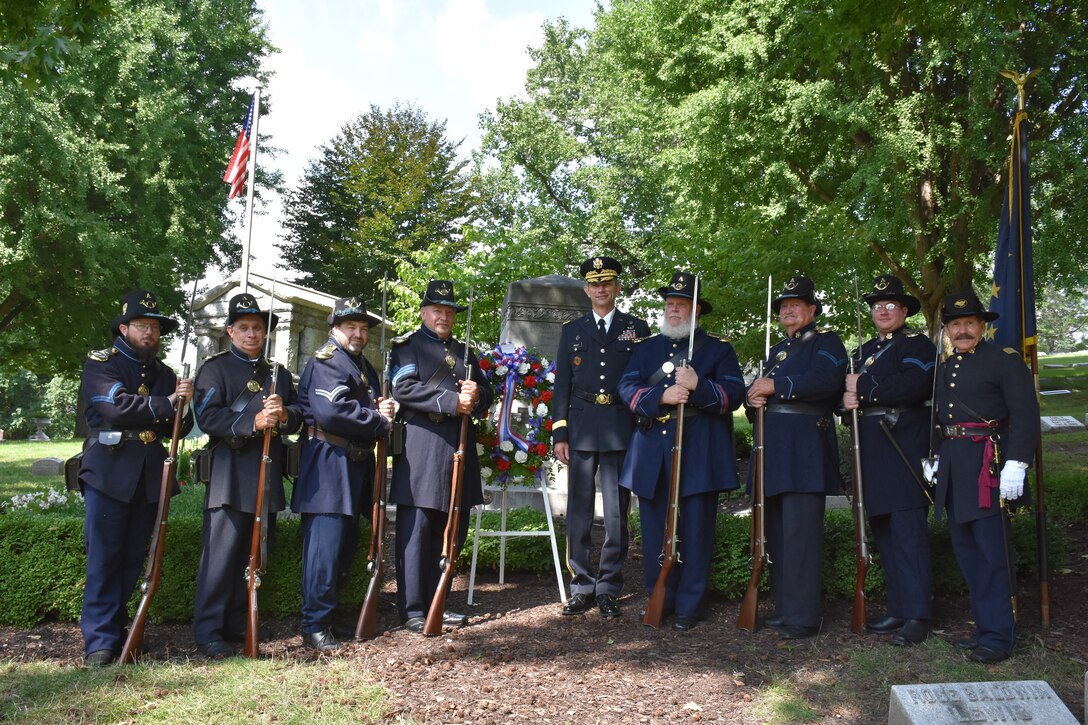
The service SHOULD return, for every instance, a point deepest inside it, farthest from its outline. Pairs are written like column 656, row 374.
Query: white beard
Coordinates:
column 677, row 332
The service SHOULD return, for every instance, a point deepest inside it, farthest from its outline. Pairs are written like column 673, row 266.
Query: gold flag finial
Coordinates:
column 1020, row 80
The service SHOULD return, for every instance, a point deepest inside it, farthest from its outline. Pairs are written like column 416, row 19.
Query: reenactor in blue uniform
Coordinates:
column 802, row 385
column 233, row 406
column 890, row 388
column 131, row 397
column 711, row 387
column 432, row 390
column 988, row 418
column 344, row 417
column 591, row 431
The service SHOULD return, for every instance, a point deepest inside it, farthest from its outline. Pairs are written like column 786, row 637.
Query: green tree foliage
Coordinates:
column 36, row 36
column 826, row 136
column 110, row 174
column 387, row 185
column 1061, row 319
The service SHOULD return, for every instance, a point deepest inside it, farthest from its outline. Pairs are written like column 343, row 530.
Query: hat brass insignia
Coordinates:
column 678, row 285
column 791, row 283
column 353, row 302
column 598, row 263
column 148, row 302
column 253, row 386
column 881, row 285
column 959, row 304
column 443, row 290
column 142, row 390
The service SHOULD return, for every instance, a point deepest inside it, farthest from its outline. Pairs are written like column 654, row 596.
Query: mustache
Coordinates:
column 965, row 336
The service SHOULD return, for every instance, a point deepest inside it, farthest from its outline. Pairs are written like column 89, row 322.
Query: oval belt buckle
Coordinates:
column 147, row 436
column 603, row 398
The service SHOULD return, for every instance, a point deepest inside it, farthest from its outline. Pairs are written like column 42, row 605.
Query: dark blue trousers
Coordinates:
column 219, row 612
column 419, row 548
column 116, row 536
column 979, row 546
column 795, row 536
column 688, row 580
column 328, row 549
column 902, row 538
column 605, row 467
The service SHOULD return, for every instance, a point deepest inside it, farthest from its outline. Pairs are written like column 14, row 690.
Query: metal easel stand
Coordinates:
column 541, row 488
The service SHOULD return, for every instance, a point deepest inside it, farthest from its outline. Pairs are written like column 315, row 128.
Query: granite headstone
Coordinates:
column 1060, row 424
column 1032, row 701
column 47, row 467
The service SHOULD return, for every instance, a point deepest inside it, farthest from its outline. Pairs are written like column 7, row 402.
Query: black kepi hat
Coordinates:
column 600, row 269
column 440, row 292
column 965, row 304
column 350, row 308
column 798, row 287
column 889, row 287
column 246, row 304
column 141, row 303
column 682, row 284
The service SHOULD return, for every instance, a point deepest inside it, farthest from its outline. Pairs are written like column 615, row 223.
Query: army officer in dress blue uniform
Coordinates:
column 591, row 431
column 234, row 407
column 344, row 417
column 131, row 397
column 433, row 390
column 802, row 384
column 890, row 388
column 654, row 384
column 988, row 417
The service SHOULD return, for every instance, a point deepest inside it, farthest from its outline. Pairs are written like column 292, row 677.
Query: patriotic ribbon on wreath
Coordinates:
column 506, row 433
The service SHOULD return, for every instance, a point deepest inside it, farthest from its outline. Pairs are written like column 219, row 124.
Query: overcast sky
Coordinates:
column 450, row 58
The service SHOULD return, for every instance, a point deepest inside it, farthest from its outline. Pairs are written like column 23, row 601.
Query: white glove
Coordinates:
column 929, row 469
column 1012, row 480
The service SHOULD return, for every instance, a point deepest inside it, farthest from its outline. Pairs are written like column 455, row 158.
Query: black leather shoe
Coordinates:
column 885, row 625
column 774, row 621
column 415, row 624
column 100, row 658
column 913, row 631
column 683, row 622
column 986, row 655
column 453, row 619
column 217, row 650
column 323, row 641
column 579, row 604
column 797, row 631
column 965, row 644
column 608, row 605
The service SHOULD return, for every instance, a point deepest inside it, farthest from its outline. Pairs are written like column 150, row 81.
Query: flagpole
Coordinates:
column 251, row 172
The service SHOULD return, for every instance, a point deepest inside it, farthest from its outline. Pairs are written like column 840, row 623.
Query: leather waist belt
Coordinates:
column 644, row 421
column 321, row 435
column 889, row 409
column 238, row 442
column 961, row 431
column 798, row 408
column 357, row 450
column 597, row 398
column 114, row 437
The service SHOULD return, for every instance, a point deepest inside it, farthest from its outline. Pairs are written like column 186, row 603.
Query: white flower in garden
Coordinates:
column 523, row 368
column 485, row 473
column 542, row 410
column 550, row 377
column 521, row 456
column 506, row 446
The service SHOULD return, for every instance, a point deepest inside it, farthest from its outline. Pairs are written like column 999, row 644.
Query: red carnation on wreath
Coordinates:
column 503, row 464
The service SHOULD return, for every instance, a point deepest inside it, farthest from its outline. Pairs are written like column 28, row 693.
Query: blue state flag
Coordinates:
column 1013, row 292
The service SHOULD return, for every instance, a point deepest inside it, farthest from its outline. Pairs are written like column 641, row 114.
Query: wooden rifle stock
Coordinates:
column 259, row 540
column 367, row 625
column 433, row 625
column 861, row 543
column 153, row 571
column 670, row 552
column 747, row 619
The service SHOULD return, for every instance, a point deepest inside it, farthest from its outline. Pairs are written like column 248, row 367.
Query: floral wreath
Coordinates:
column 518, row 445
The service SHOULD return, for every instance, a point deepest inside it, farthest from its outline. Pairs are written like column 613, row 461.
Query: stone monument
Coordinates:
column 978, row 702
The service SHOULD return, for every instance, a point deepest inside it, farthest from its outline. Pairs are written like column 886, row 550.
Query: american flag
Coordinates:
column 239, row 160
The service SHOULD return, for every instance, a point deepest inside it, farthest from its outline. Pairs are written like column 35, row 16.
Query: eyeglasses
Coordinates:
column 889, row 306
column 147, row 327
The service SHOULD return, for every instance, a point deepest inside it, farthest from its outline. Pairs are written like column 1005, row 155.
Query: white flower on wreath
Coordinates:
column 543, row 362
column 542, row 410
column 550, row 377
column 523, row 368
column 501, row 370
column 479, row 449
column 506, row 446
column 485, row 473
column 521, row 456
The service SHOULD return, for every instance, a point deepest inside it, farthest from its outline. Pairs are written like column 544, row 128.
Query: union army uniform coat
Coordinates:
column 896, row 381
column 128, row 396
column 801, row 465
column 589, row 415
column 987, row 383
column 708, row 463
column 229, row 392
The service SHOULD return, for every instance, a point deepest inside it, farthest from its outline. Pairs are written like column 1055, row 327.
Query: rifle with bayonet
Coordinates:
column 258, row 547
column 433, row 624
column 862, row 559
column 670, row 551
column 153, row 570
column 747, row 619
column 367, row 625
